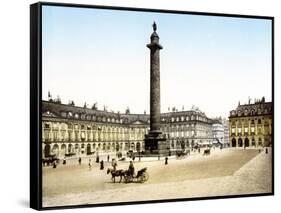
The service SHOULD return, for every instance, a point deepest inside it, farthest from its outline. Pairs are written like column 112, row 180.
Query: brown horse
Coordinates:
column 116, row 173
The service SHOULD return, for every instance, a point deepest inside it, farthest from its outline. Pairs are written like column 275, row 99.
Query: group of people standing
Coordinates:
column 90, row 164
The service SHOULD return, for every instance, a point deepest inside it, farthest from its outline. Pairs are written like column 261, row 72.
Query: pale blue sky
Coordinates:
column 94, row 55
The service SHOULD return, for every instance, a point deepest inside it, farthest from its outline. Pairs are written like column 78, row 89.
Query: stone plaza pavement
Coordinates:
column 255, row 176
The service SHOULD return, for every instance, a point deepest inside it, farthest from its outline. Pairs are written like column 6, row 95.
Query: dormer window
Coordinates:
column 47, row 126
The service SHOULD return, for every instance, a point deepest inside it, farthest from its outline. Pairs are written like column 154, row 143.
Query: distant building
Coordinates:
column 71, row 130
column 225, row 123
column 187, row 129
column 251, row 124
column 218, row 132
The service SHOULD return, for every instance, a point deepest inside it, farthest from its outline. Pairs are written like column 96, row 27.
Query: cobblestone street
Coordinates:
column 226, row 172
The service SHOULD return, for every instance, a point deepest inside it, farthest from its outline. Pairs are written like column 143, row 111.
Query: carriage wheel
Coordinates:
column 144, row 177
column 128, row 179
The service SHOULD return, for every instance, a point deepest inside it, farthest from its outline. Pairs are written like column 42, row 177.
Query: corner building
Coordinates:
column 250, row 125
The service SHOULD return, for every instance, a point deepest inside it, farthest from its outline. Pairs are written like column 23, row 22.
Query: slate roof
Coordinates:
column 54, row 109
column 257, row 108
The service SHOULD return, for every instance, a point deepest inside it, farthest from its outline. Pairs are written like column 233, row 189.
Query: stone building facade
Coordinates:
column 225, row 123
column 71, row 130
column 218, row 132
column 251, row 124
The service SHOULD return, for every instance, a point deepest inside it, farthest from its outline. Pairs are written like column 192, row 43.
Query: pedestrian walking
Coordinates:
column 101, row 165
column 64, row 161
column 108, row 158
column 55, row 164
column 166, row 160
column 266, row 150
column 79, row 160
column 90, row 164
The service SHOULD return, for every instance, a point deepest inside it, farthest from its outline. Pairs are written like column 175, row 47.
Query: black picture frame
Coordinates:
column 36, row 104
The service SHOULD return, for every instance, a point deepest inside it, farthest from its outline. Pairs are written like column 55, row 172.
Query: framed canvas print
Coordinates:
column 105, row 129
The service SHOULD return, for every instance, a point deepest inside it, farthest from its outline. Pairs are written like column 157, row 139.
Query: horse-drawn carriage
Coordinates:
column 141, row 176
column 49, row 160
column 182, row 153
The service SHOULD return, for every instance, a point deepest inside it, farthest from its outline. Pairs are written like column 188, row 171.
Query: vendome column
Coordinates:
column 155, row 141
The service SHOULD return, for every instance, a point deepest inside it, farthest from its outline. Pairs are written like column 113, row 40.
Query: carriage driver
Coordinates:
column 131, row 169
column 114, row 164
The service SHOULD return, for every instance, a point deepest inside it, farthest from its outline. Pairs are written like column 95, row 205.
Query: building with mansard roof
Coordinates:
column 251, row 124
column 72, row 130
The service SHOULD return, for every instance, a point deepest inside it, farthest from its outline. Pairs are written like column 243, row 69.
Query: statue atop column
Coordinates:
column 154, row 26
